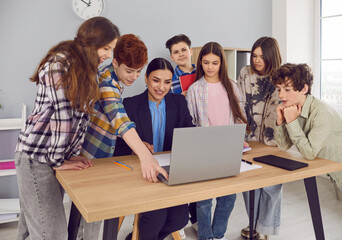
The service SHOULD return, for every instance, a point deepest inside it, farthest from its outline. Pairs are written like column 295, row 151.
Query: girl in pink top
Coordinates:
column 214, row 99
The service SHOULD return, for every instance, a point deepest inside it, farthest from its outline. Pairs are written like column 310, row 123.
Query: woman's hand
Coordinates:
column 280, row 115
column 292, row 112
column 245, row 144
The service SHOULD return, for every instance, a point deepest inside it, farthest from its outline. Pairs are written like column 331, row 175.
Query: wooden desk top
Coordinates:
column 107, row 190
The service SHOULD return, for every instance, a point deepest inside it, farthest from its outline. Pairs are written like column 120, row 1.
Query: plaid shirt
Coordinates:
column 176, row 86
column 109, row 120
column 197, row 97
column 54, row 131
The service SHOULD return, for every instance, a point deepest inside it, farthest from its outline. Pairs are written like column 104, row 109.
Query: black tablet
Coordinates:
column 280, row 162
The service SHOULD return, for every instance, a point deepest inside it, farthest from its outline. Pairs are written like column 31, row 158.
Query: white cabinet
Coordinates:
column 9, row 210
column 9, row 207
column 14, row 123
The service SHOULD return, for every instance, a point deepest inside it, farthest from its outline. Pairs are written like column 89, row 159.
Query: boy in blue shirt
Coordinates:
column 180, row 53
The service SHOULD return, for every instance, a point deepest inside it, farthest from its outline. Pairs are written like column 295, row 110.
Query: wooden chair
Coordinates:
column 135, row 234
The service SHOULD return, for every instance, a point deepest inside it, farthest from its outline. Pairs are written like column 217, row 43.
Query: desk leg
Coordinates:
column 312, row 194
column 251, row 213
column 110, row 229
column 74, row 222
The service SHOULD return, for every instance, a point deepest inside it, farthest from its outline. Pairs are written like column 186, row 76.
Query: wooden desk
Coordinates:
column 107, row 191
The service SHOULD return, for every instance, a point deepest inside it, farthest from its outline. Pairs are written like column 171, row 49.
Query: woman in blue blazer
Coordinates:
column 156, row 112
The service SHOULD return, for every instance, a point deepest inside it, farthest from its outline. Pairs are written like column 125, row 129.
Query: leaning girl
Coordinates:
column 214, row 100
column 53, row 134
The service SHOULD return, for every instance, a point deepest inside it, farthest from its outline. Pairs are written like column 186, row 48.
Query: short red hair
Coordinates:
column 131, row 51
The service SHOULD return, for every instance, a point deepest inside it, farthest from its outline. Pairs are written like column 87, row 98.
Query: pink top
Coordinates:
column 218, row 105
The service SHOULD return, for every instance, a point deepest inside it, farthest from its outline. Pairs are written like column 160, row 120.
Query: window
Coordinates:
column 331, row 52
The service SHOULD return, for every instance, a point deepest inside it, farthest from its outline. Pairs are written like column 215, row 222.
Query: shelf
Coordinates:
column 10, row 220
column 9, row 210
column 8, row 172
column 9, row 207
column 11, row 123
column 14, row 123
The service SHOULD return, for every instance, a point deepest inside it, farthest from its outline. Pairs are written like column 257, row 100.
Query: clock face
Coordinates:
column 87, row 8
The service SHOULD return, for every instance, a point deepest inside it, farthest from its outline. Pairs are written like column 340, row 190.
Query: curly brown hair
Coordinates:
column 296, row 75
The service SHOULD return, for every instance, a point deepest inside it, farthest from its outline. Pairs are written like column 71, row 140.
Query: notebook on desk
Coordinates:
column 203, row 153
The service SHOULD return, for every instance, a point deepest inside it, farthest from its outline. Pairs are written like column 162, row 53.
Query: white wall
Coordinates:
column 30, row 28
column 294, row 25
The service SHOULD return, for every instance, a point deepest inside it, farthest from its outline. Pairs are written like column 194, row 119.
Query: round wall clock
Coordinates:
column 88, row 8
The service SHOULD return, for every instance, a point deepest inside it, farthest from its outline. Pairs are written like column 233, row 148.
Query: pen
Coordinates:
column 248, row 162
column 123, row 165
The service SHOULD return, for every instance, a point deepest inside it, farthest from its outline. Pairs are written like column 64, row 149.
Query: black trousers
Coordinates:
column 158, row 224
column 193, row 213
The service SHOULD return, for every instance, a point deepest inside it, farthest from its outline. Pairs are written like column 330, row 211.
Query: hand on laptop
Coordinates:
column 151, row 169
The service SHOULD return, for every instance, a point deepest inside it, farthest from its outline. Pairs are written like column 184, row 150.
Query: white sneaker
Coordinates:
column 195, row 226
column 224, row 238
column 182, row 233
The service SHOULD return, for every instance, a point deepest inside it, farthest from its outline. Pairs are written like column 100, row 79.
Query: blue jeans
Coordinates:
column 267, row 208
column 223, row 209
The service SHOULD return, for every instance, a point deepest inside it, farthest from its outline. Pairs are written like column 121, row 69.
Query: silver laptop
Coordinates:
column 203, row 153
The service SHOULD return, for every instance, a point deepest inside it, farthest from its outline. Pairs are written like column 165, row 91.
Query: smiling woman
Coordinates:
column 156, row 112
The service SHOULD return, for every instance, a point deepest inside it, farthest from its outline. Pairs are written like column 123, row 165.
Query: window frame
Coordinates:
column 318, row 52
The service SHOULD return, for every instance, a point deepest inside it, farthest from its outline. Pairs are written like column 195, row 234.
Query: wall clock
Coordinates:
column 88, row 8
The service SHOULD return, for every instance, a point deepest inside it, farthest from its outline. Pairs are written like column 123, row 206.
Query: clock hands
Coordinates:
column 87, row 3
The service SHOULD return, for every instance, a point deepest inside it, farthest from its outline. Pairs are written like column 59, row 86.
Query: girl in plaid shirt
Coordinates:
column 214, row 99
column 53, row 134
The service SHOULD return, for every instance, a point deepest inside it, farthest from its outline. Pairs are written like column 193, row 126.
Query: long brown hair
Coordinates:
column 79, row 81
column 216, row 49
column 271, row 55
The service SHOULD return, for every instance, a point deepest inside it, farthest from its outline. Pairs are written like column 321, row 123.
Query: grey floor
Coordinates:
column 296, row 219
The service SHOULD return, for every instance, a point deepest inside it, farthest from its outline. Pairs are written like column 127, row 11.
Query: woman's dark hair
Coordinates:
column 79, row 80
column 296, row 75
column 271, row 55
column 216, row 49
column 158, row 63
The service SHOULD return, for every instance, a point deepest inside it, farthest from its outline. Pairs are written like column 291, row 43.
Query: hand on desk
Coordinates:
column 75, row 163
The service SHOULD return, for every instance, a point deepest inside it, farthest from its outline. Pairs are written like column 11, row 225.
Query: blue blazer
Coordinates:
column 138, row 110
